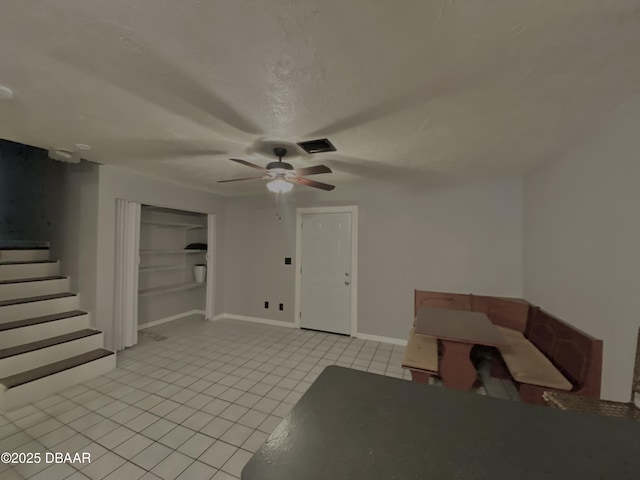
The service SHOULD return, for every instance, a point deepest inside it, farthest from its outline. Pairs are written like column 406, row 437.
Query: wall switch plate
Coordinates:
column 266, row 304
column 287, row 260
column 281, row 306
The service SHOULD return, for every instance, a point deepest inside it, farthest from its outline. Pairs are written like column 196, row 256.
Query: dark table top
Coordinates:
column 357, row 425
column 459, row 326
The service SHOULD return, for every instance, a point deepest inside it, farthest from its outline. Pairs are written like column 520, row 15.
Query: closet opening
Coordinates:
column 175, row 265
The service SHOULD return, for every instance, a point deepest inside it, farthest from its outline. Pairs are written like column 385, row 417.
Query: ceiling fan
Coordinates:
column 283, row 175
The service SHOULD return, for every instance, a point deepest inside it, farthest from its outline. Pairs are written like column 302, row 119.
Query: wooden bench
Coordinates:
column 576, row 354
column 544, row 352
column 576, row 403
column 421, row 357
column 528, row 365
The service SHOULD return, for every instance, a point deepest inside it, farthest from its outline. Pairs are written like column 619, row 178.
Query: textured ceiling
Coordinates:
column 417, row 91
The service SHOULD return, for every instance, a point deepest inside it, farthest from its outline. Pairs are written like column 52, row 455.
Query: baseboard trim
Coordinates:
column 266, row 321
column 377, row 338
column 169, row 319
column 278, row 323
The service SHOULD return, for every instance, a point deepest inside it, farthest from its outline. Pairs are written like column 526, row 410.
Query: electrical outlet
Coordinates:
column 266, row 304
column 281, row 306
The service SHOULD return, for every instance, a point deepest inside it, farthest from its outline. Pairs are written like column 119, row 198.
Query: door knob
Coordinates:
column 346, row 274
column 346, row 282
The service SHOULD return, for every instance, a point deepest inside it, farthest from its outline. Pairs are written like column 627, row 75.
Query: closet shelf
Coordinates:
column 160, row 223
column 169, row 288
column 161, row 268
column 169, row 252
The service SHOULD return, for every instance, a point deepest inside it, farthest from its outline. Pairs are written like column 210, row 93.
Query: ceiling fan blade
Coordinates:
column 454, row 81
column 172, row 89
column 248, row 164
column 241, row 179
column 160, row 149
column 313, row 183
column 301, row 172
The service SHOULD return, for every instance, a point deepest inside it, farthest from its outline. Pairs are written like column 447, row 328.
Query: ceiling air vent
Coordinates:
column 317, row 146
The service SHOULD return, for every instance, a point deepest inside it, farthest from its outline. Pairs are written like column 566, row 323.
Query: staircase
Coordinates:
column 46, row 343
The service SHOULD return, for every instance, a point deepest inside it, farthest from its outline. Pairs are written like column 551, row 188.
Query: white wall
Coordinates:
column 74, row 239
column 118, row 183
column 582, row 241
column 466, row 239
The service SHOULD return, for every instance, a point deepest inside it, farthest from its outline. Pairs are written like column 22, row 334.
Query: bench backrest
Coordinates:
column 575, row 353
column 511, row 313
column 453, row 301
column 506, row 312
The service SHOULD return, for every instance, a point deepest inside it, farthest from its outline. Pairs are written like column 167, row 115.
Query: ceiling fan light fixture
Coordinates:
column 279, row 185
column 279, row 166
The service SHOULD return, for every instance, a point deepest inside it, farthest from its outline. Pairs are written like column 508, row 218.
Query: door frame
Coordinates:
column 210, row 301
column 353, row 210
column 210, row 256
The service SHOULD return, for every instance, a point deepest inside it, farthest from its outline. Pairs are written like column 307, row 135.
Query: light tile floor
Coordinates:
column 193, row 406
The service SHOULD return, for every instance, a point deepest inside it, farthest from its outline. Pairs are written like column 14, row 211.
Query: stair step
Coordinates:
column 26, row 353
column 37, row 279
column 24, row 254
column 49, row 342
column 28, row 269
column 33, row 287
column 28, row 262
column 24, row 245
column 36, row 306
column 53, row 368
column 18, row 389
column 40, row 327
column 27, row 322
column 39, row 298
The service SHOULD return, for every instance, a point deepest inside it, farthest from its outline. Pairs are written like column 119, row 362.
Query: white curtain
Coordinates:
column 126, row 275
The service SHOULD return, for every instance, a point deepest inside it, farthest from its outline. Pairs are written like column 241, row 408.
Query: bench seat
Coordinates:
column 421, row 356
column 529, row 365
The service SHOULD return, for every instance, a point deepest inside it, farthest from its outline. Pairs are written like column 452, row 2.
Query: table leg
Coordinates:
column 456, row 368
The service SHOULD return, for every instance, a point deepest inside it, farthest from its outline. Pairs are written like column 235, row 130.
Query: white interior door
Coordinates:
column 325, row 295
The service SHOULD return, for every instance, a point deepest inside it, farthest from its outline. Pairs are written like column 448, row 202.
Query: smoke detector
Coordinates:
column 64, row 155
column 5, row 93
